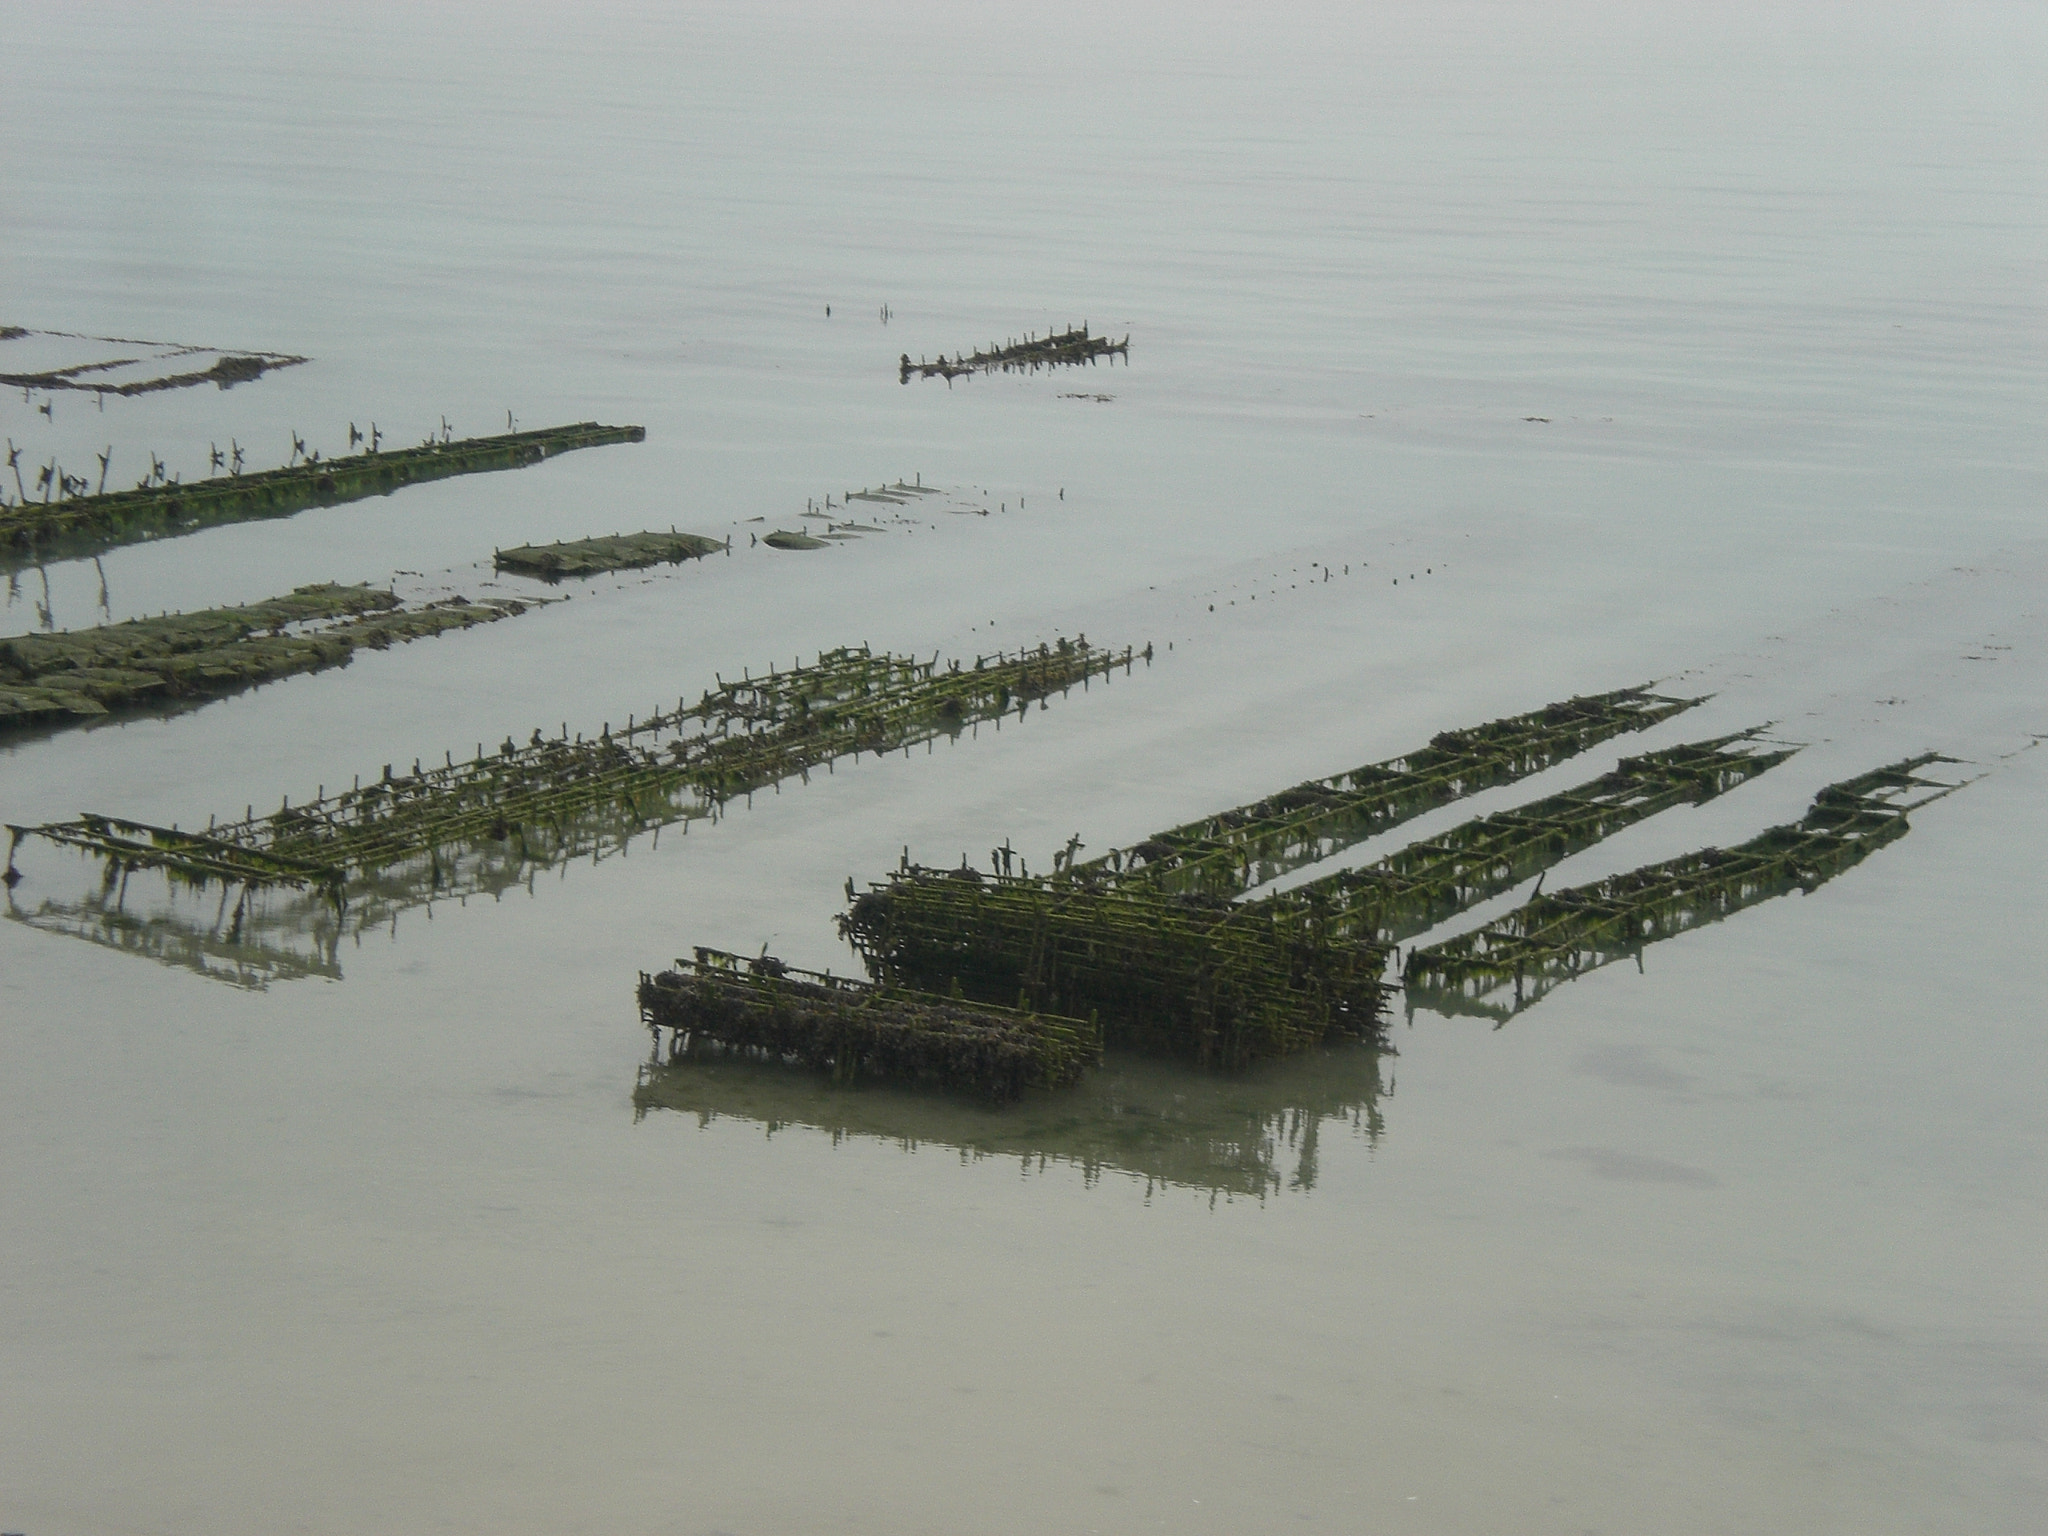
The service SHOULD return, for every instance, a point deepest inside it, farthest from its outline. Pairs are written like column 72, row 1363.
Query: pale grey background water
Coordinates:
column 1750, row 1242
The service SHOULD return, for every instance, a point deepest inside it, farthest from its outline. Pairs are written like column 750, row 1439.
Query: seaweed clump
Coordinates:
column 857, row 1032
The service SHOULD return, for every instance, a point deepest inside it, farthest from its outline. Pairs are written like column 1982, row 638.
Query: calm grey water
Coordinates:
column 1636, row 341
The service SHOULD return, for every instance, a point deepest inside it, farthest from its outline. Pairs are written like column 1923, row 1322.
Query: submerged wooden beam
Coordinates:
column 225, row 372
column 123, row 366
column 1505, row 966
column 83, row 525
column 856, row 1031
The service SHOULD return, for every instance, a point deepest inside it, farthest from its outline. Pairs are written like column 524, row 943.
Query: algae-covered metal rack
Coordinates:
column 1151, row 939
column 1233, row 851
column 1433, row 880
column 1068, row 348
column 1507, row 965
column 81, row 525
column 858, row 1032
column 181, row 658
column 348, row 860
column 1188, row 976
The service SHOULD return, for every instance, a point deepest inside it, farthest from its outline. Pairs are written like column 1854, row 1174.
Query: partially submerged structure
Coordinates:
column 304, row 876
column 73, row 525
column 1433, row 880
column 76, row 676
column 1155, row 939
column 122, row 367
column 1069, row 348
column 856, row 1031
column 1233, row 851
column 1501, row 968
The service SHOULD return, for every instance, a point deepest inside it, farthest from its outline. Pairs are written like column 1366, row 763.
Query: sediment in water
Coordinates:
column 83, row 525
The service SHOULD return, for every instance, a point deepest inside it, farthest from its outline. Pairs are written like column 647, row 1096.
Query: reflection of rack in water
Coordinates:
column 1164, row 1124
column 216, row 948
column 253, row 935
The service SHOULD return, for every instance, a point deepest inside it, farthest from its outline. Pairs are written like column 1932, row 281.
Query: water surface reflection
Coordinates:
column 1164, row 1123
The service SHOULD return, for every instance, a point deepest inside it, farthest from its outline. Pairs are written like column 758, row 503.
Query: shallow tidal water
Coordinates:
column 1579, row 345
